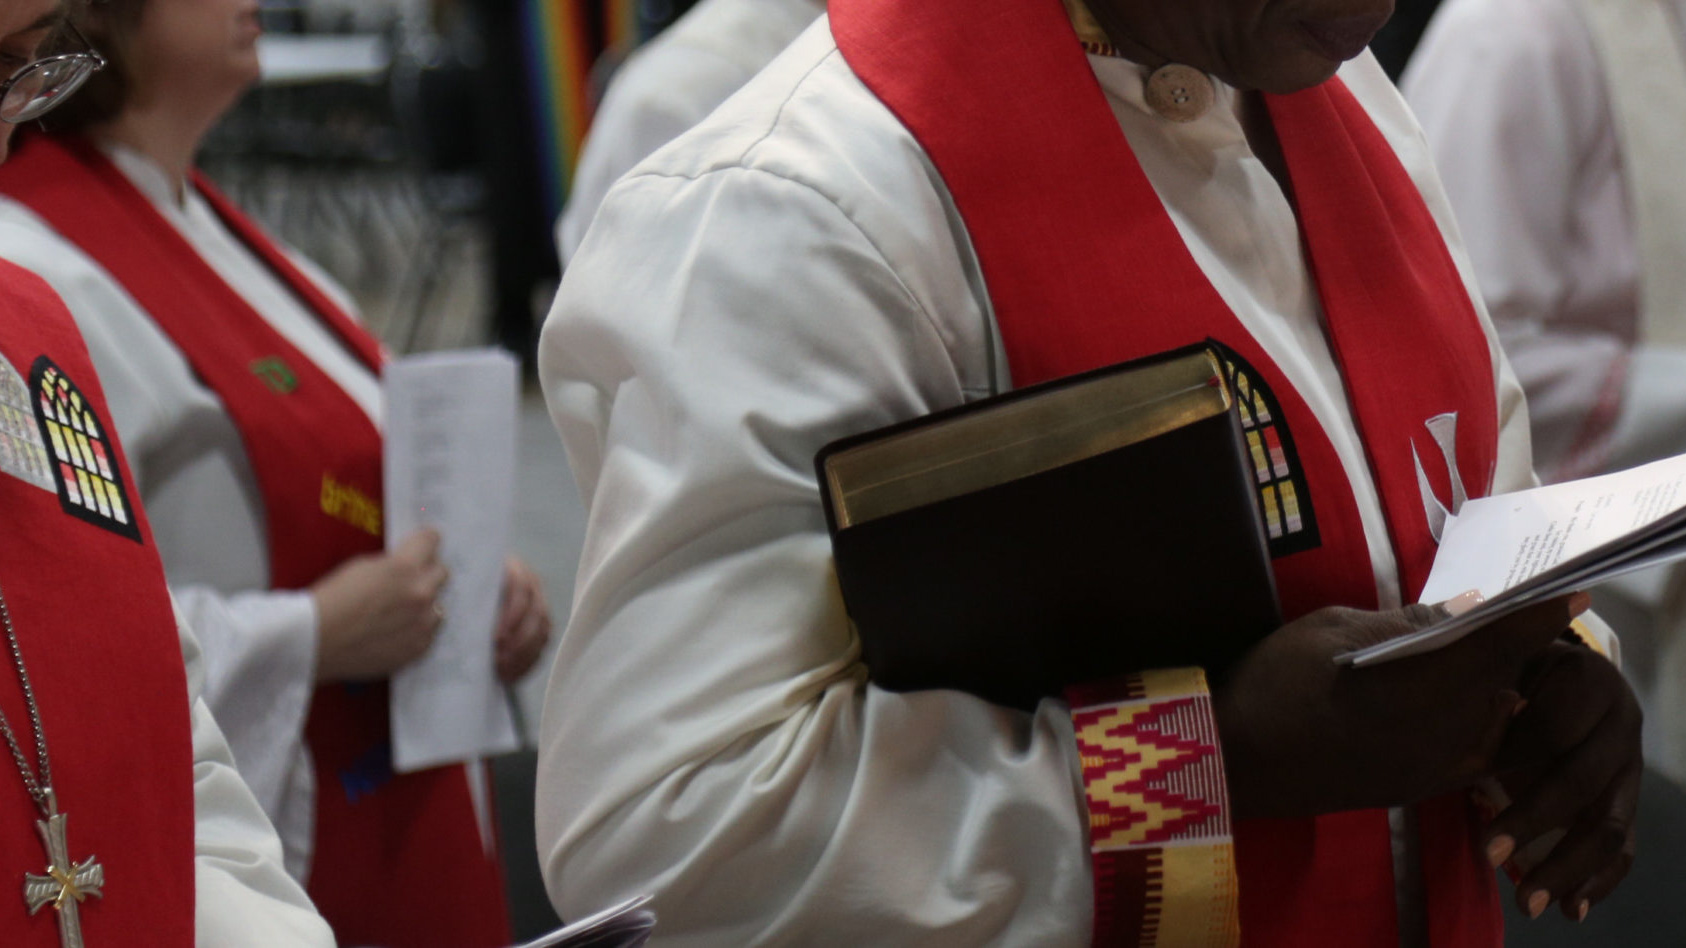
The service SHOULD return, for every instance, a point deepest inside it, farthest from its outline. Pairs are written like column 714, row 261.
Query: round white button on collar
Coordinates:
column 1179, row 93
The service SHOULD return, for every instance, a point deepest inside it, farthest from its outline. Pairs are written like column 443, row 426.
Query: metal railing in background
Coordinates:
column 350, row 150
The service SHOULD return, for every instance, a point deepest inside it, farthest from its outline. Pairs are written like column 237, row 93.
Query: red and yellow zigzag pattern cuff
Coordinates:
column 1159, row 827
column 1589, row 638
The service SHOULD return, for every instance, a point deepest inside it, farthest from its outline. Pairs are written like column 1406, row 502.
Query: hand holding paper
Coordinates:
column 378, row 613
column 1304, row 736
column 1530, row 545
column 1570, row 758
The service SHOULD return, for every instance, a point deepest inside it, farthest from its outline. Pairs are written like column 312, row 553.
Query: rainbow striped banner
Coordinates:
column 561, row 40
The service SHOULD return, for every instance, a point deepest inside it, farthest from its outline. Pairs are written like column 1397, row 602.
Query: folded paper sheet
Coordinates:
column 627, row 925
column 1522, row 547
column 450, row 464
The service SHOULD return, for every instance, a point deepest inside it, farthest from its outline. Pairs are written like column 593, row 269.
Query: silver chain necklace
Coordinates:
column 66, row 883
column 39, row 786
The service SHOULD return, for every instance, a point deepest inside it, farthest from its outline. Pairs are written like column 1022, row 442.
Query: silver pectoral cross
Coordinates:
column 66, row 883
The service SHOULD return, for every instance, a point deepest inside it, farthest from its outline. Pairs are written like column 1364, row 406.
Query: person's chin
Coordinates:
column 246, row 70
column 1296, row 72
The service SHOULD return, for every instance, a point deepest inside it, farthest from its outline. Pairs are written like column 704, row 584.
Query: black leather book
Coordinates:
column 1058, row 534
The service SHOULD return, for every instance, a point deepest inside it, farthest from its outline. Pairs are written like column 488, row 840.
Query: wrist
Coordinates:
column 327, row 622
column 1241, row 766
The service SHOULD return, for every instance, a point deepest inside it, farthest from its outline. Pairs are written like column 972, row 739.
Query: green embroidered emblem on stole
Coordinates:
column 275, row 375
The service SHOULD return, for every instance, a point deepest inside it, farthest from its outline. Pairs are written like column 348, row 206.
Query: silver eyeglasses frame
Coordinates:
column 82, row 63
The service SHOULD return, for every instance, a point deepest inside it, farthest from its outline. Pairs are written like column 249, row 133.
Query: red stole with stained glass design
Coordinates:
column 398, row 858
column 1085, row 268
column 94, row 622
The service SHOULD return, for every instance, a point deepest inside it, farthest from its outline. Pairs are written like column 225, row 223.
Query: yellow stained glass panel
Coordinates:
column 57, row 434
column 86, row 489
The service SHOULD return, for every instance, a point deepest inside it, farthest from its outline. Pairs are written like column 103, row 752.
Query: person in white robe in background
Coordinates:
column 670, row 84
column 265, row 650
column 791, row 271
column 1518, row 109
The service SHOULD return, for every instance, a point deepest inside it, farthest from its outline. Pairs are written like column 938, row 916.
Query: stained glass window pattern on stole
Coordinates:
column 1290, row 522
column 85, row 466
column 22, row 452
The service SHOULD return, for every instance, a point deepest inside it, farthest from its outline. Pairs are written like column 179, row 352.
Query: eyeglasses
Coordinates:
column 39, row 87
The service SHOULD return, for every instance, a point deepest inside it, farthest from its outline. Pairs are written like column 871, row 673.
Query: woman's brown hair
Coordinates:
column 107, row 24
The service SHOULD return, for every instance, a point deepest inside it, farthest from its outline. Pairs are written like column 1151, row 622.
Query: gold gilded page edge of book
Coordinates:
column 927, row 465
column 1028, row 457
column 860, row 471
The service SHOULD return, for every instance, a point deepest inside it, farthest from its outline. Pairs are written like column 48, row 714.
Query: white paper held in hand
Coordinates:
column 1520, row 548
column 450, row 464
column 627, row 925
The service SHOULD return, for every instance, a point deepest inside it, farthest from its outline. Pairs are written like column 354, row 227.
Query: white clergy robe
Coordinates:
column 199, row 489
column 1515, row 105
column 1517, row 109
column 670, row 84
column 791, row 271
column 242, row 893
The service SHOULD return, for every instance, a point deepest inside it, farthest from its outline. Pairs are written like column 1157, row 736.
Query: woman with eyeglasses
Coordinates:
column 122, row 819
column 251, row 396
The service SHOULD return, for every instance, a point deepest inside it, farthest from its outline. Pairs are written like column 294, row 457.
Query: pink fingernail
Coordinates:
column 1537, row 903
column 1499, row 850
column 1463, row 602
column 1582, row 909
column 1579, row 603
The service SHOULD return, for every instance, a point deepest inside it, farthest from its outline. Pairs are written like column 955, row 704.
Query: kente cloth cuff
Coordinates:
column 1159, row 822
column 1584, row 633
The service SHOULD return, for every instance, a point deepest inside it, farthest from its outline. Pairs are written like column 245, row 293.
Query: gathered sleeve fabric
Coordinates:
column 709, row 733
column 243, row 895
column 261, row 689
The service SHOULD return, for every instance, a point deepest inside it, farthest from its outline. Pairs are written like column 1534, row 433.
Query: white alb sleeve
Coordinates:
column 242, row 895
column 709, row 734
column 259, row 678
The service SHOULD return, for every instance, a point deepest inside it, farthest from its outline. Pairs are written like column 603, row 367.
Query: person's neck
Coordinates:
column 170, row 138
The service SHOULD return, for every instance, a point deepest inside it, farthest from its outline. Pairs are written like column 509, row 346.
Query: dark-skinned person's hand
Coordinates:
column 1304, row 736
column 1571, row 763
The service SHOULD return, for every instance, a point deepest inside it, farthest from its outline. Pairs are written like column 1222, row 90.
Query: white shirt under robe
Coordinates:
column 1515, row 103
column 670, row 84
column 198, row 487
column 242, row 893
column 789, row 272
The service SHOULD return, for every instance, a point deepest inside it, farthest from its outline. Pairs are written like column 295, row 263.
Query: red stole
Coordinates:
column 1085, row 268
column 398, row 858
column 98, row 634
